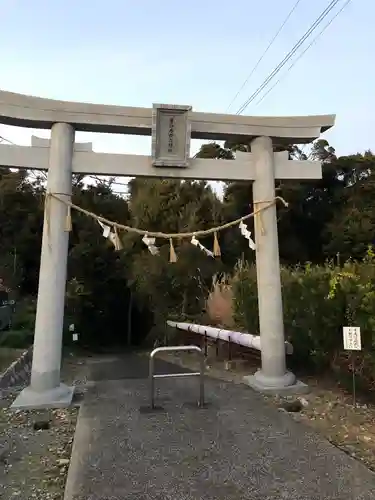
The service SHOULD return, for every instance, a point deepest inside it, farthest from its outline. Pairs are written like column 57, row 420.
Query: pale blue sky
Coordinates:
column 196, row 52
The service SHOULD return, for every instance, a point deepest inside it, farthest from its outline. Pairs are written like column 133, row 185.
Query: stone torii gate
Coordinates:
column 171, row 128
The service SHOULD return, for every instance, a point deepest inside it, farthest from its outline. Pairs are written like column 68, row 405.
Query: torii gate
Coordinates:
column 171, row 128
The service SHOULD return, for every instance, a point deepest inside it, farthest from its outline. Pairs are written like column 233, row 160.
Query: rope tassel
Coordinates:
column 172, row 253
column 258, row 209
column 116, row 241
column 68, row 220
column 262, row 230
column 47, row 211
column 217, row 251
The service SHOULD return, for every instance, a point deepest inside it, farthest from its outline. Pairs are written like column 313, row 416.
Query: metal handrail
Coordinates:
column 152, row 375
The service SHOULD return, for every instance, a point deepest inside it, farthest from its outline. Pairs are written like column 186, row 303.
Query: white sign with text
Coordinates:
column 352, row 338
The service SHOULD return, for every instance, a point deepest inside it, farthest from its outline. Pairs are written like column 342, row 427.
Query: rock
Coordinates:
column 332, row 404
column 4, row 450
column 41, row 425
column 61, row 462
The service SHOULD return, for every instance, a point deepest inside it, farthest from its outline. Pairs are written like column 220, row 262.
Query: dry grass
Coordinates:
column 219, row 305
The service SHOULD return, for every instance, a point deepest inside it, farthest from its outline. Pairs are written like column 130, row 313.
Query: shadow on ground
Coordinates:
column 127, row 366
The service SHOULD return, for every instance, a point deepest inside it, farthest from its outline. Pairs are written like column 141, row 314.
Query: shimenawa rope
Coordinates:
column 168, row 236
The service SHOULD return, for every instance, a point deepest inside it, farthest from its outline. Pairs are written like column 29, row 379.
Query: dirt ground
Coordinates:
column 328, row 409
column 34, row 462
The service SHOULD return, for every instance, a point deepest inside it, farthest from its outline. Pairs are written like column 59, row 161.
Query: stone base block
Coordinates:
column 284, row 386
column 59, row 397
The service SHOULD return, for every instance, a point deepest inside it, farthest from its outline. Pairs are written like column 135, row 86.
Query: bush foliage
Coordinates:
column 318, row 301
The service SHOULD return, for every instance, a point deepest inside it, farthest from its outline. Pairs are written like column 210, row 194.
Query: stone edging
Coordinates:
column 18, row 372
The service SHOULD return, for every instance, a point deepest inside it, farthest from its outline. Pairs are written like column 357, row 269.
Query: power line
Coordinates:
column 312, row 28
column 3, row 139
column 264, row 53
column 306, row 49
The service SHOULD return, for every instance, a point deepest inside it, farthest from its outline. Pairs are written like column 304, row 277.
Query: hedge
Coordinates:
column 318, row 301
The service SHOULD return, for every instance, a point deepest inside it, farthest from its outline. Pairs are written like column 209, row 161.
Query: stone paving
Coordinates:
column 238, row 447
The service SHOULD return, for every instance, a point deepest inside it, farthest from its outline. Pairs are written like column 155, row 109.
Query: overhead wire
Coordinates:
column 290, row 54
column 304, row 52
column 264, row 53
column 4, row 139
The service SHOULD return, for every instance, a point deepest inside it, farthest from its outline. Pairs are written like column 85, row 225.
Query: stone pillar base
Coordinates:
column 284, row 385
column 59, row 397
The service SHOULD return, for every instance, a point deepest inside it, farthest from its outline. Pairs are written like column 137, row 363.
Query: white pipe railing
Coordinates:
column 244, row 339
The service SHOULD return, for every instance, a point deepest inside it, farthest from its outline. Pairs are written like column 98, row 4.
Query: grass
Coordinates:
column 7, row 356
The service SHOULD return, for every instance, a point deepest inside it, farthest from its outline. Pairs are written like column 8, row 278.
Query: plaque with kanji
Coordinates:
column 171, row 131
column 352, row 338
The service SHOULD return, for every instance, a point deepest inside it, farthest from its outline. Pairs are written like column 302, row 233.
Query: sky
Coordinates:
column 136, row 53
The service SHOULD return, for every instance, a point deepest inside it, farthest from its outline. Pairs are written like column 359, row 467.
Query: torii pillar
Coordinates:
column 273, row 375
column 45, row 389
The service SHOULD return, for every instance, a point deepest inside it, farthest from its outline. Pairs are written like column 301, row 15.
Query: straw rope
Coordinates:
column 158, row 234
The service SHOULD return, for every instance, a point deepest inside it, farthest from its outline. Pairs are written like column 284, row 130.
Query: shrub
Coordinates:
column 245, row 296
column 318, row 301
column 21, row 333
column 24, row 315
column 312, row 321
column 16, row 339
column 355, row 285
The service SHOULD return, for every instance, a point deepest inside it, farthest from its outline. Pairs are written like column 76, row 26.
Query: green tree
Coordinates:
column 171, row 206
column 21, row 216
column 98, row 292
column 352, row 227
column 302, row 224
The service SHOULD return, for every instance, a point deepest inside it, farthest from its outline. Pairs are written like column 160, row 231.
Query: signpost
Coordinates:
column 352, row 342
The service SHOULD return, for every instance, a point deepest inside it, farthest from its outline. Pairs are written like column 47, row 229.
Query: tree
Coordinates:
column 352, row 228
column 21, row 216
column 172, row 206
column 97, row 277
column 302, row 223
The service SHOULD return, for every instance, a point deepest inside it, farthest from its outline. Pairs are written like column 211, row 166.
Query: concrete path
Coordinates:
column 237, row 448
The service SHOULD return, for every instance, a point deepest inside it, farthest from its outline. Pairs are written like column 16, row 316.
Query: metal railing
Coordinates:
column 199, row 374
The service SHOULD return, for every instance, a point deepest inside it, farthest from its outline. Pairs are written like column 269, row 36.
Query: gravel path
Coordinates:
column 329, row 409
column 239, row 447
